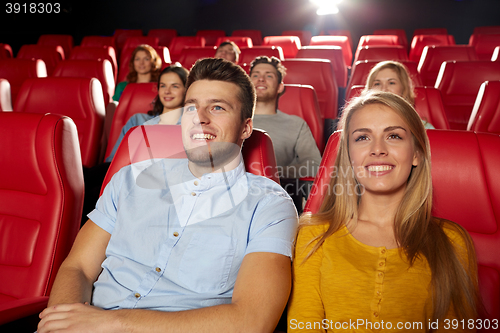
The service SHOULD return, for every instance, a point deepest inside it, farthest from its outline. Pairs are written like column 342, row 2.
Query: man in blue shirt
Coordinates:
column 184, row 245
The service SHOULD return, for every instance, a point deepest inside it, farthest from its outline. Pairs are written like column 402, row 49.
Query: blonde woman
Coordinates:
column 374, row 258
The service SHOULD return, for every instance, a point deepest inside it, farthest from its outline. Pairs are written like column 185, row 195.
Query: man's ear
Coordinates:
column 247, row 128
column 281, row 88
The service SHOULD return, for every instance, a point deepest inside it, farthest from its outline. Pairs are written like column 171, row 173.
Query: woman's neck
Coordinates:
column 143, row 78
column 169, row 116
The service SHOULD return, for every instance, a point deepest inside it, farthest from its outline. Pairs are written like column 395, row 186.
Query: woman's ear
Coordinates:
column 416, row 158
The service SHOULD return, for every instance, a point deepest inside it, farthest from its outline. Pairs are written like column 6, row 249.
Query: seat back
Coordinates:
column 319, row 74
column 254, row 34
column 164, row 36
column 98, row 41
column 133, row 42
column 430, row 31
column 428, row 104
column 420, row 41
column 304, row 35
column 96, row 53
column 300, row 100
column 211, row 36
column 459, row 82
column 146, row 142
column 361, row 69
column 5, row 51
column 495, row 29
column 484, row 45
column 64, row 41
column 332, row 53
column 340, row 32
column 180, row 42
column 40, row 205
column 248, row 54
column 485, row 116
column 51, row 55
column 379, row 40
column 433, row 56
column 462, row 192
column 78, row 98
column 136, row 98
column 16, row 71
column 401, row 33
column 100, row 69
column 189, row 55
column 342, row 41
column 121, row 36
column 289, row 44
column 240, row 41
column 380, row 53
column 5, row 96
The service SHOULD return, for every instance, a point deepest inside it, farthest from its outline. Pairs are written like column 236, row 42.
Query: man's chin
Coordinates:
column 219, row 155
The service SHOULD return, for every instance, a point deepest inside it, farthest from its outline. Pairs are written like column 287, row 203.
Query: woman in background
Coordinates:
column 144, row 66
column 373, row 252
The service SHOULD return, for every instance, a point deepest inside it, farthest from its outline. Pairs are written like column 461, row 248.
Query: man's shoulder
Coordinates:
column 265, row 187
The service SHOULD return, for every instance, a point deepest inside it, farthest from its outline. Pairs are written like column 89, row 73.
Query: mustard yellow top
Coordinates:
column 347, row 286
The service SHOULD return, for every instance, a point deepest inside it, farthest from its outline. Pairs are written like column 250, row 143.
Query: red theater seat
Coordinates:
column 459, row 82
column 98, row 41
column 430, row 31
column 145, row 142
column 96, row 53
column 180, row 42
column 165, row 36
column 211, row 36
column 41, row 205
column 361, row 69
column 420, row 41
column 16, row 71
column 462, row 193
column 428, row 104
column 136, row 98
column 340, row 32
column 78, row 98
column 300, row 100
column 319, row 74
column 380, row 53
column 342, row 41
column 379, row 40
column 133, row 42
column 100, row 69
column 433, row 56
column 5, row 96
column 238, row 40
column 248, row 54
column 189, row 55
column 255, row 35
column 121, row 36
column 485, row 115
column 51, row 55
column 401, row 33
column 484, row 45
column 64, row 41
column 289, row 44
column 5, row 51
column 304, row 35
column 495, row 29
column 332, row 53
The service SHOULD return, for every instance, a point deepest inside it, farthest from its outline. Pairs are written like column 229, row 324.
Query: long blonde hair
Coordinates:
column 417, row 233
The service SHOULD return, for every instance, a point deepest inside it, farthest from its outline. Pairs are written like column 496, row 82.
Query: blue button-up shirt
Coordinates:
column 177, row 242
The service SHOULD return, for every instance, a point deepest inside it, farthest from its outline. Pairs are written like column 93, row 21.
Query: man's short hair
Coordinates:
column 235, row 47
column 273, row 61
column 214, row 69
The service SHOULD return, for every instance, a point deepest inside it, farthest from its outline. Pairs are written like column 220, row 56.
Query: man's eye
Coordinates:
column 218, row 108
column 190, row 108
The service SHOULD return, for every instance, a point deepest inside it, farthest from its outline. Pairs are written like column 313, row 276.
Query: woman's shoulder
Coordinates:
column 457, row 235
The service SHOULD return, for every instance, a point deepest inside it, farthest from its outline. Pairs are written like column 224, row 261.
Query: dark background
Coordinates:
column 361, row 17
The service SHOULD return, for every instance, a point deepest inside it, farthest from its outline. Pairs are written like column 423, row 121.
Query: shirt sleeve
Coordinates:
column 307, row 155
column 305, row 307
column 119, row 90
column 133, row 121
column 274, row 225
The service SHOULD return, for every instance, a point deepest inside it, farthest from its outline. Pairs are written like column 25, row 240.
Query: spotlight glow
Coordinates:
column 326, row 7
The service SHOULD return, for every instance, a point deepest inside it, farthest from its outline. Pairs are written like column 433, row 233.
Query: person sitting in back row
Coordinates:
column 297, row 154
column 144, row 66
column 228, row 50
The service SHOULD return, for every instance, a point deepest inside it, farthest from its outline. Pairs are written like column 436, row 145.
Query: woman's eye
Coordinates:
column 361, row 138
column 394, row 136
column 376, row 84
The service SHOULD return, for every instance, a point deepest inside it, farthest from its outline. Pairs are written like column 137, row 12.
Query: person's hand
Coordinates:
column 75, row 317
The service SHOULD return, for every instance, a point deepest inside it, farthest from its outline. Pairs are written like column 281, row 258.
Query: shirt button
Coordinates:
column 381, row 264
column 193, row 194
column 158, row 269
column 196, row 183
column 378, row 292
column 375, row 314
column 137, row 295
column 176, row 234
column 383, row 251
column 380, row 274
